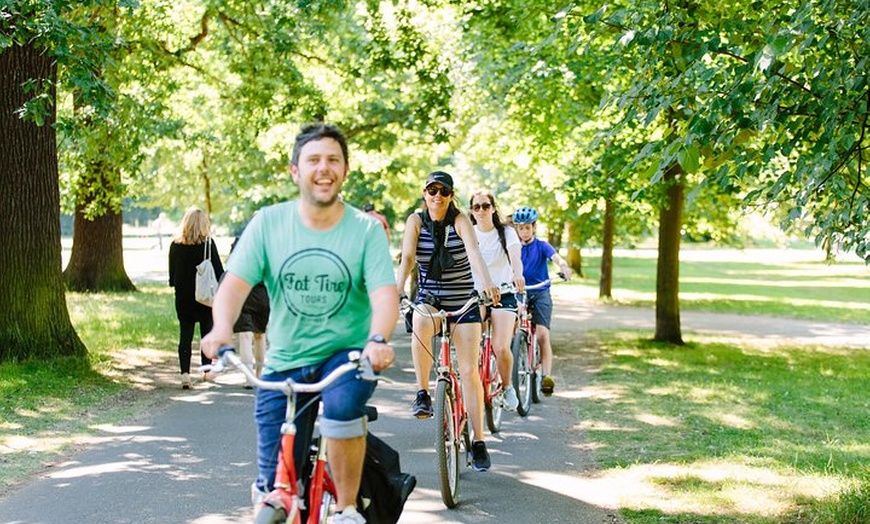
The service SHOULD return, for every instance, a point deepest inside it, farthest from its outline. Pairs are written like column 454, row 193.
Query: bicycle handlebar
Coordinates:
column 545, row 283
column 471, row 302
column 227, row 355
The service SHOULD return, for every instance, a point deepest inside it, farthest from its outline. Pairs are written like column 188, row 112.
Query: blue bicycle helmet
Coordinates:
column 525, row 215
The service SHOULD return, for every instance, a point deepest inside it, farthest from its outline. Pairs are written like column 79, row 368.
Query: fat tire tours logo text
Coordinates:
column 316, row 283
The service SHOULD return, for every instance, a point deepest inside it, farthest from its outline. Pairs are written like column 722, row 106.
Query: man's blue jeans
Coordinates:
column 344, row 403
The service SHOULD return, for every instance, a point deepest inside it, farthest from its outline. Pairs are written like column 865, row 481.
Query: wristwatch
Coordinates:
column 378, row 339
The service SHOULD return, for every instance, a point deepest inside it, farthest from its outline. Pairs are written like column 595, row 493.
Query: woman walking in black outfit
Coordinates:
column 185, row 253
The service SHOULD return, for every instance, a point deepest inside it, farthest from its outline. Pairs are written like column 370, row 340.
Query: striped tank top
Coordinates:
column 456, row 284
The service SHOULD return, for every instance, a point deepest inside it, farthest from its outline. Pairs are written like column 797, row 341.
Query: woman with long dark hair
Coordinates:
column 501, row 251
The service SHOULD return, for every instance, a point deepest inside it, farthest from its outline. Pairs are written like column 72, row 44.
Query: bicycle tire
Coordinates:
column 521, row 374
column 271, row 515
column 327, row 506
column 446, row 444
column 537, row 372
column 493, row 407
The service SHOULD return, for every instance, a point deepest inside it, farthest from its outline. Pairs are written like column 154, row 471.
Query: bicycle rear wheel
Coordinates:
column 446, row 444
column 522, row 372
column 493, row 405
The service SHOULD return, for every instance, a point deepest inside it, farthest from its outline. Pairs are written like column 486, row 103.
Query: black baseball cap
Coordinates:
column 440, row 177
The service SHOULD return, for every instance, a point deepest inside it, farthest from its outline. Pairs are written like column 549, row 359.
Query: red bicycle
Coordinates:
column 491, row 380
column 527, row 374
column 285, row 503
column 451, row 418
column 493, row 386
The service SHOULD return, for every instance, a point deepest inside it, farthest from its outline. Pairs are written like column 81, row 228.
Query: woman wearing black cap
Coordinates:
column 441, row 241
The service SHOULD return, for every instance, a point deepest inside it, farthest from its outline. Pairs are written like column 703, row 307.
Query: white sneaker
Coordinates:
column 257, row 496
column 185, row 381
column 510, row 398
column 349, row 516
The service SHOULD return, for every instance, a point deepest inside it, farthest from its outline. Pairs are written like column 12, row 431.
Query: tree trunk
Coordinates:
column 97, row 259
column 668, row 269
column 605, row 280
column 34, row 321
column 574, row 257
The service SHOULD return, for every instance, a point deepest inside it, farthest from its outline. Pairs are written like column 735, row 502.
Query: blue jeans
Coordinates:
column 344, row 416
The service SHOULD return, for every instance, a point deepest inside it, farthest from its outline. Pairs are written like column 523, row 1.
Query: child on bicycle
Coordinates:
column 329, row 275
column 500, row 248
column 536, row 255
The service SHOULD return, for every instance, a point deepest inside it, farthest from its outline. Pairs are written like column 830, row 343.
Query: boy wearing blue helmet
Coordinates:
column 536, row 254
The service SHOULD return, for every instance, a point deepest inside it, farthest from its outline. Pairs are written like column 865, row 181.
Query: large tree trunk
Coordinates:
column 34, row 321
column 605, row 280
column 97, row 259
column 668, row 269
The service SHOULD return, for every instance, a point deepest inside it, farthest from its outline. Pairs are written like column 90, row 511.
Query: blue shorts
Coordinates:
column 508, row 303
column 344, row 414
column 542, row 307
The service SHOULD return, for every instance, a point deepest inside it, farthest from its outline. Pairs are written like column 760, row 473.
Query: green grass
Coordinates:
column 704, row 420
column 812, row 290
column 46, row 407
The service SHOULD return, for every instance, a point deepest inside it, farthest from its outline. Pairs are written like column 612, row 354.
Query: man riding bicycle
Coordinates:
column 329, row 275
column 536, row 255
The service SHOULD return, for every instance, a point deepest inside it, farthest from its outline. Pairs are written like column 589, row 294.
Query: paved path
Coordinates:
column 191, row 460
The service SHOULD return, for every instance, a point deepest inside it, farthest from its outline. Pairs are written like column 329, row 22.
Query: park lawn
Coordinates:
column 722, row 433
column 48, row 408
column 838, row 292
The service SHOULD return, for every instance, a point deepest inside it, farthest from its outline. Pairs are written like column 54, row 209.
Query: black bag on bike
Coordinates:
column 384, row 488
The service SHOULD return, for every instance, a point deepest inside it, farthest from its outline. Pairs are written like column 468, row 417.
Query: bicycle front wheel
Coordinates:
column 271, row 515
column 537, row 371
column 493, row 406
column 446, row 444
column 522, row 372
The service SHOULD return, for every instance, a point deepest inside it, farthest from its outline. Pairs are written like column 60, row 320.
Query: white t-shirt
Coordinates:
column 494, row 256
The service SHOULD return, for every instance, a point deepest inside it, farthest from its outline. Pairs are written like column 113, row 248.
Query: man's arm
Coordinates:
column 225, row 310
column 385, row 311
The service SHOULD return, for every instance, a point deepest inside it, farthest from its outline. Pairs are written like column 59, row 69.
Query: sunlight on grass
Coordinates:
column 721, row 433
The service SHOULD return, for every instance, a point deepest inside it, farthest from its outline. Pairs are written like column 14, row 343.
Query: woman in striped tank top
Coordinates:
column 441, row 241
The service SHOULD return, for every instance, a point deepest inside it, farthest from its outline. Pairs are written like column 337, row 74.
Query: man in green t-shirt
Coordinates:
column 328, row 271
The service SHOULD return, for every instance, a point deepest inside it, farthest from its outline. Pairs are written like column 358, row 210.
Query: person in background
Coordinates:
column 440, row 242
column 536, row 256
column 370, row 209
column 250, row 328
column 329, row 276
column 185, row 253
column 500, row 249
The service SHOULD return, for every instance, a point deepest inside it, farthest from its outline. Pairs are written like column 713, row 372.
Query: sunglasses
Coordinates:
column 485, row 206
column 434, row 191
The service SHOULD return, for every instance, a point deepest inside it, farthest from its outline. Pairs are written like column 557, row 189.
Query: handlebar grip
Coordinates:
column 224, row 349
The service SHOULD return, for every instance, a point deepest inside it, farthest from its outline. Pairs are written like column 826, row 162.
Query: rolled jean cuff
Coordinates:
column 343, row 429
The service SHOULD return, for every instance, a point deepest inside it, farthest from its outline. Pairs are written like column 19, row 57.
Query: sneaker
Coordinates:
column 349, row 516
column 547, row 386
column 422, row 406
column 257, row 496
column 479, row 456
column 185, row 381
column 510, row 398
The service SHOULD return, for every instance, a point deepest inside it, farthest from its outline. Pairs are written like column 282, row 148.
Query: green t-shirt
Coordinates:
column 318, row 281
